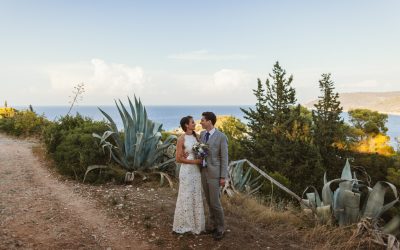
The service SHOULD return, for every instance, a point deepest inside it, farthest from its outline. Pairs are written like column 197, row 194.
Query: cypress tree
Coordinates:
column 327, row 121
column 276, row 132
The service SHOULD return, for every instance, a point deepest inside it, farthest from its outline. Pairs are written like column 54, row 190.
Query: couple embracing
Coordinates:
column 197, row 177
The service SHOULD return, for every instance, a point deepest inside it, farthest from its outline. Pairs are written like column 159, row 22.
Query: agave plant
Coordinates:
column 241, row 180
column 352, row 200
column 139, row 149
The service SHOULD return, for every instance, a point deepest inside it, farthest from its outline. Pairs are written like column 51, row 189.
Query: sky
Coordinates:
column 192, row 52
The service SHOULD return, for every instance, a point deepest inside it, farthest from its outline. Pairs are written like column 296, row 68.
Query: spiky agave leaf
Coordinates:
column 354, row 199
column 346, row 172
column 93, row 167
column 351, row 205
column 241, row 180
column 231, row 171
column 375, row 206
column 392, row 226
column 324, row 214
column 113, row 127
column 140, row 147
column 314, row 198
column 327, row 193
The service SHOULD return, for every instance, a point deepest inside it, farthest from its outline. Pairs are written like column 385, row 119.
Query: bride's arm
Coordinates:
column 179, row 153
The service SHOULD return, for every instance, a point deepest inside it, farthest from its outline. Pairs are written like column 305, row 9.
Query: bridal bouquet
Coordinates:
column 201, row 151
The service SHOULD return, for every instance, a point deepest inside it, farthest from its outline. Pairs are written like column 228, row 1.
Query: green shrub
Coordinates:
column 99, row 176
column 70, row 143
column 269, row 190
column 24, row 123
column 7, row 125
column 234, row 129
column 166, row 134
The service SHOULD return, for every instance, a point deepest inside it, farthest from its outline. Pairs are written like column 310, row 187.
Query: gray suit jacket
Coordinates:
column 217, row 159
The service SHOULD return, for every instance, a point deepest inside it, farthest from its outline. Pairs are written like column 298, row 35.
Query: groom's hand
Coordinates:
column 221, row 182
column 186, row 155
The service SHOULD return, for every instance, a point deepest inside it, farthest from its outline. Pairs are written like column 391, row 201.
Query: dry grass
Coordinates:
column 331, row 237
column 310, row 231
column 254, row 211
column 328, row 237
column 39, row 151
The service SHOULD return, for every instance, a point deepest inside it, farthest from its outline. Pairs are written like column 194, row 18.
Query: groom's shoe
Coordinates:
column 210, row 231
column 218, row 235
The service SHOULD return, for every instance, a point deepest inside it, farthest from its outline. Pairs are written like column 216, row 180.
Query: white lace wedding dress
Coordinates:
column 189, row 211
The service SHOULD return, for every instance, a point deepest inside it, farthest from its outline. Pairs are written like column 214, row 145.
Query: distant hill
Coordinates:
column 384, row 102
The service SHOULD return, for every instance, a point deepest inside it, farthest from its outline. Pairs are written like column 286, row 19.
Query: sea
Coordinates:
column 170, row 116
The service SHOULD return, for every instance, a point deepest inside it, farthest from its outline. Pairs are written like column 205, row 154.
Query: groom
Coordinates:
column 214, row 174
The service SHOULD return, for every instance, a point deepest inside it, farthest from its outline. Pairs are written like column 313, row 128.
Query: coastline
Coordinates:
column 382, row 112
column 348, row 109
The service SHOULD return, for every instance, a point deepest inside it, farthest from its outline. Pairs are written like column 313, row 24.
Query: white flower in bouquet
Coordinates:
column 201, row 151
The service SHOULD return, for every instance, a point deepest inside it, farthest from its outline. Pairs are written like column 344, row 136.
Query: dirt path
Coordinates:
column 40, row 209
column 37, row 211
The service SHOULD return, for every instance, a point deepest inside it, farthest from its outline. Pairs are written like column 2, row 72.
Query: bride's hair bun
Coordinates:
column 185, row 121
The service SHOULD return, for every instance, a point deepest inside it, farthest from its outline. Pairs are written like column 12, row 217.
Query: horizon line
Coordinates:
column 93, row 105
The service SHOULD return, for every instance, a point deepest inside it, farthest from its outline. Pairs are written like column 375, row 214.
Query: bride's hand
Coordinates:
column 198, row 161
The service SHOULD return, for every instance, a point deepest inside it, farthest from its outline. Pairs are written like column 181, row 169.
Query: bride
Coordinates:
column 189, row 211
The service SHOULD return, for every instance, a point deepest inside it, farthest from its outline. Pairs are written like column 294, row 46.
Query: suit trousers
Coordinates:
column 213, row 196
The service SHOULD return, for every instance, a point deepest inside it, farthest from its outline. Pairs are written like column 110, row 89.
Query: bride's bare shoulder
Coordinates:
column 181, row 138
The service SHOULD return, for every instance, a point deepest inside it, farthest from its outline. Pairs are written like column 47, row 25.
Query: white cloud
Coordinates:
column 116, row 77
column 205, row 55
column 230, row 79
column 105, row 81
column 223, row 87
column 102, row 79
column 229, row 86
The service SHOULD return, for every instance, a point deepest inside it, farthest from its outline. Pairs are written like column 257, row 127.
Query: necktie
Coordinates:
column 207, row 136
